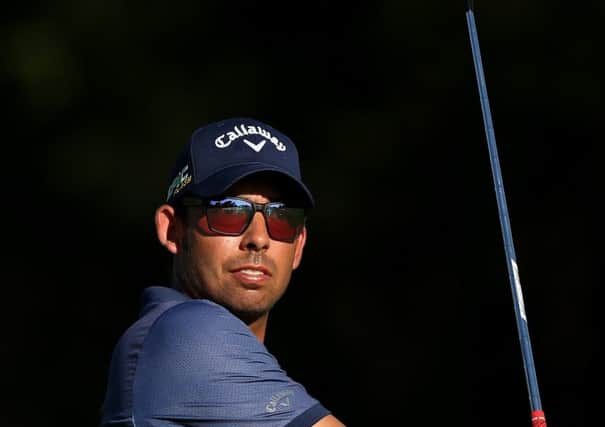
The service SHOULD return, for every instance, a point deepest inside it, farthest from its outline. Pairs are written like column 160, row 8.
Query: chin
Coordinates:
column 249, row 313
column 248, row 316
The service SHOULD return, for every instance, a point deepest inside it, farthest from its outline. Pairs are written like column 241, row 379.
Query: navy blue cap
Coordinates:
column 220, row 154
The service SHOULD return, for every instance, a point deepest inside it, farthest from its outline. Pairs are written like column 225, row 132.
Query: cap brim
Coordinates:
column 219, row 182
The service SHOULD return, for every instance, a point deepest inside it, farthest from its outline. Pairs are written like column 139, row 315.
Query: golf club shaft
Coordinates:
column 537, row 415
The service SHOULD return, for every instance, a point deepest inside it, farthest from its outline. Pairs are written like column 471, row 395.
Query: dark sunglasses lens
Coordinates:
column 228, row 216
column 284, row 223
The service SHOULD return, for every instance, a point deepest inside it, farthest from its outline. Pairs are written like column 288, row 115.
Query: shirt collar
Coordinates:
column 154, row 295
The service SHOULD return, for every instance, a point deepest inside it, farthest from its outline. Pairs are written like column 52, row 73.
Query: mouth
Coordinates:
column 251, row 276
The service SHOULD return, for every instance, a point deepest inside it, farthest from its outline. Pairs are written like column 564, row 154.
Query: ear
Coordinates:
column 300, row 245
column 168, row 228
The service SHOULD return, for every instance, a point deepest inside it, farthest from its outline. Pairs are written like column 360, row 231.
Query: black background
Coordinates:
column 401, row 313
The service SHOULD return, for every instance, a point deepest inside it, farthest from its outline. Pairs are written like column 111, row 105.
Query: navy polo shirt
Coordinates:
column 190, row 362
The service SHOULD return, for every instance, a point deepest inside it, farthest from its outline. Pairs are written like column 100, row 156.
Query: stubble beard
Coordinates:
column 188, row 280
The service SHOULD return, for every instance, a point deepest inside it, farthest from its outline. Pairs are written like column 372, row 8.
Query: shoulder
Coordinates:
column 197, row 316
column 199, row 336
column 199, row 362
column 197, row 325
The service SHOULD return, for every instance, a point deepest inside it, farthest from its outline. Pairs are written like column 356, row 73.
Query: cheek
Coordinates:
column 286, row 257
column 211, row 254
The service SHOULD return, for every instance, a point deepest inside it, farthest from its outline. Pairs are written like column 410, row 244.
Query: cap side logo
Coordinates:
column 179, row 182
column 224, row 140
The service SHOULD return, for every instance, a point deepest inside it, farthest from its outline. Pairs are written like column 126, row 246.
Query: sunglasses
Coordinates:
column 231, row 216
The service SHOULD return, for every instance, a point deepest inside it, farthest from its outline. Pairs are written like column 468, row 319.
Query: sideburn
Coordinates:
column 184, row 277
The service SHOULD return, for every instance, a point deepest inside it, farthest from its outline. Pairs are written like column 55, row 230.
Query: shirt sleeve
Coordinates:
column 202, row 366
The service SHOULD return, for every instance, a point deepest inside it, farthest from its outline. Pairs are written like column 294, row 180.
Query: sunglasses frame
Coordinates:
column 257, row 207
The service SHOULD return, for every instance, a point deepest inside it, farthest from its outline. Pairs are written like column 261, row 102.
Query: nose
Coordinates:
column 256, row 237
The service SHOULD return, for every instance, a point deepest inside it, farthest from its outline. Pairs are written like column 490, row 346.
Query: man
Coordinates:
column 234, row 220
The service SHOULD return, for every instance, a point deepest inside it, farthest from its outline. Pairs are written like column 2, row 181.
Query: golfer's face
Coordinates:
column 246, row 273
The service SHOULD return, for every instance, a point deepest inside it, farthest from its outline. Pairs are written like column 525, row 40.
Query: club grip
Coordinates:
column 538, row 419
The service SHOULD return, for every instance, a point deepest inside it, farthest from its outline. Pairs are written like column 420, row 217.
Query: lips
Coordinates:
column 251, row 275
column 252, row 269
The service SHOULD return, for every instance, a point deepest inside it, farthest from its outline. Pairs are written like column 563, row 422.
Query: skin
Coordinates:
column 246, row 274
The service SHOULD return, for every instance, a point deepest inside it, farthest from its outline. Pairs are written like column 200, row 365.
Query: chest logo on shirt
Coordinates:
column 279, row 400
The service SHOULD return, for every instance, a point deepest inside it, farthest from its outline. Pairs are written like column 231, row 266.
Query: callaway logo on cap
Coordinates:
column 221, row 153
